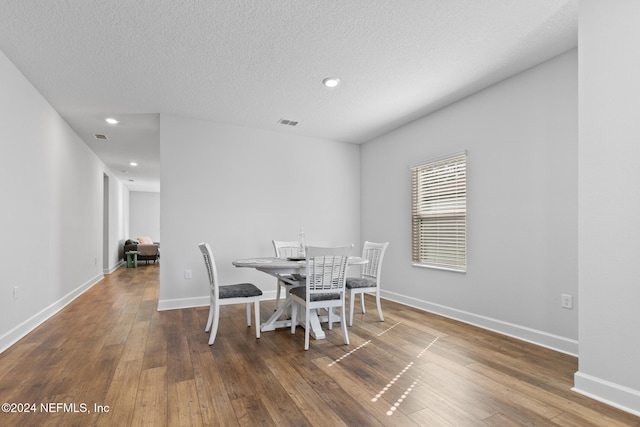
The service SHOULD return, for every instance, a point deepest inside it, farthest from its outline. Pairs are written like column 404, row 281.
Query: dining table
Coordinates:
column 290, row 270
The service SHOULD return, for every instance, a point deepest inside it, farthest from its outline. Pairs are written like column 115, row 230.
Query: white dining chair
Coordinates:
column 241, row 293
column 324, row 287
column 284, row 249
column 369, row 280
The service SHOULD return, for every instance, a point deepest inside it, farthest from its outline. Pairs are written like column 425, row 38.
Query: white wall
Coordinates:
column 51, row 188
column 118, row 217
column 521, row 140
column 144, row 215
column 609, row 201
column 239, row 188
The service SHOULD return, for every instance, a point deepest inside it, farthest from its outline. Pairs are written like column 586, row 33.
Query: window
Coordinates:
column 439, row 213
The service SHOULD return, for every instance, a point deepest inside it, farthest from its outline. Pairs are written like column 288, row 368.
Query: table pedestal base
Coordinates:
column 275, row 321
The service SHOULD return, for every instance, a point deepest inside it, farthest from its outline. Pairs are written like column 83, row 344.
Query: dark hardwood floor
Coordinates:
column 110, row 358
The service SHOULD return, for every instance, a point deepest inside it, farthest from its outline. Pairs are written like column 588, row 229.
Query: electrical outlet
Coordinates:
column 567, row 301
column 187, row 274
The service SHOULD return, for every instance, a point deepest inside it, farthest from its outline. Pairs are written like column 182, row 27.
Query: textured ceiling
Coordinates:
column 251, row 63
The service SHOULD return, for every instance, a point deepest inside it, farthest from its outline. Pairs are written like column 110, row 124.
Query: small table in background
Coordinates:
column 132, row 259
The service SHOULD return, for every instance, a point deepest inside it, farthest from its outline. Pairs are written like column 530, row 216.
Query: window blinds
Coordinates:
column 439, row 213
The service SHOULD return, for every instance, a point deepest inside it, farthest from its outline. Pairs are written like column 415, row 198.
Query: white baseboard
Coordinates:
column 114, row 268
column 20, row 331
column 612, row 394
column 543, row 339
column 180, row 303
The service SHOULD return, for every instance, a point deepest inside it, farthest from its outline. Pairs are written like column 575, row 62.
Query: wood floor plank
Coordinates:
column 338, row 399
column 363, row 393
column 151, row 399
column 250, row 412
column 93, row 378
column 135, row 346
column 250, row 386
column 439, row 413
column 112, row 348
column 155, row 351
column 179, row 365
column 215, row 406
column 280, row 405
column 507, row 399
column 121, row 394
column 571, row 406
column 183, row 405
column 302, row 394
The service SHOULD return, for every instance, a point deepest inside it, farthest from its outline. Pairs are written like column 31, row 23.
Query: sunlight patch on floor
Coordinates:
column 397, row 377
column 404, row 395
column 388, row 329
column 350, row 353
column 427, row 348
column 390, row 384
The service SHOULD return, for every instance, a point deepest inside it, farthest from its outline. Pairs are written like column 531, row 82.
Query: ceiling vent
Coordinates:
column 99, row 136
column 287, row 122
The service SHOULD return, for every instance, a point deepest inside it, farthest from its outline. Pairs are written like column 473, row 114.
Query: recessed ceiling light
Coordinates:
column 111, row 121
column 133, row 164
column 331, row 81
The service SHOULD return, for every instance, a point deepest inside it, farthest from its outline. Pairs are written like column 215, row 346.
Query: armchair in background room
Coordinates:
column 148, row 249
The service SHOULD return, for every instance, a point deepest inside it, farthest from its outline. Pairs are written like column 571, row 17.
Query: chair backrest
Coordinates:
column 374, row 252
column 326, row 269
column 285, row 249
column 210, row 263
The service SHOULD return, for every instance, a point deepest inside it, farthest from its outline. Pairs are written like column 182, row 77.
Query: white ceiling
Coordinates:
column 253, row 62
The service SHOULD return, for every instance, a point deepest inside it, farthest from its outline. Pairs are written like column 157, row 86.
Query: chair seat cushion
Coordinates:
column 239, row 291
column 301, row 292
column 360, row 282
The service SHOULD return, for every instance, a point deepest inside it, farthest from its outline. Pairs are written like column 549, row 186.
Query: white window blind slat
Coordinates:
column 439, row 213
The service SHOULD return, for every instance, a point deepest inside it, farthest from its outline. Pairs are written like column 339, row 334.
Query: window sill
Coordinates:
column 438, row 267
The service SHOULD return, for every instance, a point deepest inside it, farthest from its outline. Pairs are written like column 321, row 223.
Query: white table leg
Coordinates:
column 273, row 322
